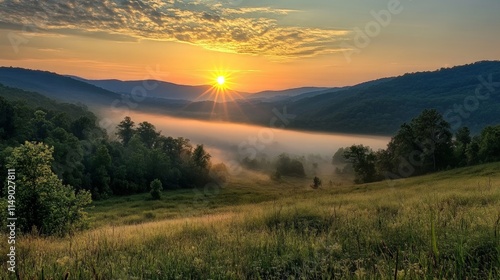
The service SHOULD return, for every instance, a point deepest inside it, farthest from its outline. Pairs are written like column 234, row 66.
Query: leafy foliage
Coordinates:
column 43, row 202
column 316, row 183
column 380, row 107
column 289, row 167
column 125, row 130
column 422, row 146
column 156, row 189
column 363, row 162
column 85, row 158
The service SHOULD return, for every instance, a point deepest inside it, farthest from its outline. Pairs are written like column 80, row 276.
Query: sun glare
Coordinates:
column 221, row 89
column 221, row 80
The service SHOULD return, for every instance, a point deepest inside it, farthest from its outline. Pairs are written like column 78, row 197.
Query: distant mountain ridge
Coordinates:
column 155, row 88
column 55, row 86
column 172, row 91
column 75, row 89
column 277, row 95
column 375, row 107
column 380, row 107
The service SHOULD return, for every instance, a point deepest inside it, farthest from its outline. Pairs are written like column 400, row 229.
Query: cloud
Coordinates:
column 215, row 25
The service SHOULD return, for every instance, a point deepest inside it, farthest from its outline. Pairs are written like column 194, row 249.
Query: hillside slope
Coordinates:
column 171, row 91
column 156, row 89
column 382, row 107
column 375, row 107
column 438, row 226
column 56, row 86
column 36, row 100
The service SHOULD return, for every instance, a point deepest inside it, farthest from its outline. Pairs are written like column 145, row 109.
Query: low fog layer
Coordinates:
column 231, row 141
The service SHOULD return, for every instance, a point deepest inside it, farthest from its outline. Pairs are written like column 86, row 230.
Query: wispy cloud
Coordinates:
column 214, row 25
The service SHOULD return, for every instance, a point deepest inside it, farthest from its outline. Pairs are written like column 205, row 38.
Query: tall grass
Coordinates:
column 442, row 226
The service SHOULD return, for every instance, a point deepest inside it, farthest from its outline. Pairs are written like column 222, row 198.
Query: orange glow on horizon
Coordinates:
column 221, row 90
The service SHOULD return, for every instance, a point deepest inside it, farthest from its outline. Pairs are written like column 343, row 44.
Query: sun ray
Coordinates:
column 221, row 91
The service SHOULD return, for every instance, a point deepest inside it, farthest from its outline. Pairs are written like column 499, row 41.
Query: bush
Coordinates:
column 156, row 188
column 43, row 202
column 316, row 183
column 290, row 167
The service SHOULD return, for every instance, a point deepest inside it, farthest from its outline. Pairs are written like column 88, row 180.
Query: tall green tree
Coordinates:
column 43, row 202
column 41, row 126
column 434, row 137
column 61, row 120
column 158, row 165
column 489, row 147
column 177, row 149
column 425, row 144
column 196, row 169
column 125, row 130
column 148, row 134
column 82, row 127
column 200, row 157
column 363, row 161
column 462, row 141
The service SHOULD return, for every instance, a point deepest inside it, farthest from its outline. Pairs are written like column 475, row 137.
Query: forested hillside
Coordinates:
column 85, row 157
column 55, row 86
column 426, row 144
column 466, row 95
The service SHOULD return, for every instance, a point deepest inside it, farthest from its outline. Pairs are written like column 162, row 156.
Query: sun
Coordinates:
column 221, row 91
column 221, row 88
column 221, row 80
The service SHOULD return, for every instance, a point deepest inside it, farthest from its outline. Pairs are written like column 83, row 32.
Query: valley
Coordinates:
column 443, row 225
column 155, row 139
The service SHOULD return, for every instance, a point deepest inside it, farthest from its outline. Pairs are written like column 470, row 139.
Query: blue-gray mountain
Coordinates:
column 467, row 95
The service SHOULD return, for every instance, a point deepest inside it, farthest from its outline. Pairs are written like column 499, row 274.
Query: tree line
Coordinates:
column 86, row 158
column 426, row 144
column 69, row 159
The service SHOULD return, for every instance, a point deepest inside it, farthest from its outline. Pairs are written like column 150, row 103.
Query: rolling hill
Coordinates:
column 375, row 107
column 156, row 89
column 55, row 86
column 279, row 95
column 382, row 106
column 171, row 91
column 36, row 100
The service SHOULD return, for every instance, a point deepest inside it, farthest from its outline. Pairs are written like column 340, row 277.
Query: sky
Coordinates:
column 258, row 45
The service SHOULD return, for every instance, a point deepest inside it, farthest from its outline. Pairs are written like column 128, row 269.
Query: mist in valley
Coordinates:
column 235, row 143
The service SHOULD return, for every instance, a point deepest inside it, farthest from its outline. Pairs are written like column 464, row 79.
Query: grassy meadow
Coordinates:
column 441, row 226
